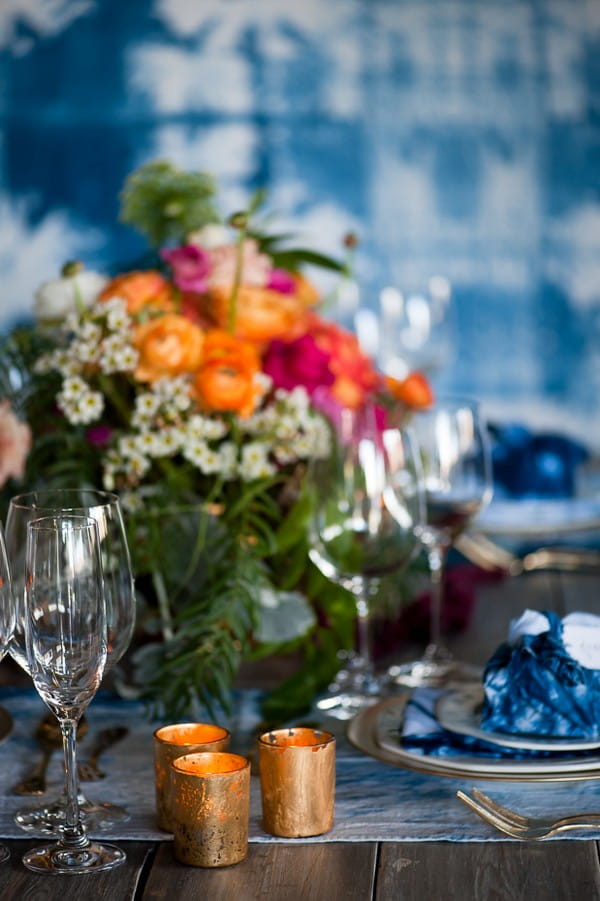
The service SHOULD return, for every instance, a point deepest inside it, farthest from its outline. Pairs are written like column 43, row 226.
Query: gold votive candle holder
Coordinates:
column 174, row 741
column 297, row 781
column 210, row 808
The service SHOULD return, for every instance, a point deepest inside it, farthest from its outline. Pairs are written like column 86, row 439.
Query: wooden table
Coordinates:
column 386, row 871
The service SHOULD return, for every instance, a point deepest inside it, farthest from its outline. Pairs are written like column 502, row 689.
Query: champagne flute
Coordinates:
column 366, row 505
column 7, row 622
column 456, row 463
column 65, row 635
column 105, row 508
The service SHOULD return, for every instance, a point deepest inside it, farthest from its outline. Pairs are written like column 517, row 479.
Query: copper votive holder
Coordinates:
column 210, row 809
column 174, row 741
column 297, row 781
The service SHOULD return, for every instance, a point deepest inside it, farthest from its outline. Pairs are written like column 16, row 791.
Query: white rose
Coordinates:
column 58, row 297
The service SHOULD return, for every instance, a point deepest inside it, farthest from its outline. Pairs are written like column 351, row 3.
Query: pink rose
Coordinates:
column 15, row 442
column 299, row 362
column 191, row 267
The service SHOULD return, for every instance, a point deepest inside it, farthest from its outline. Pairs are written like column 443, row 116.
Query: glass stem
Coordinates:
column 362, row 593
column 436, row 556
column 73, row 833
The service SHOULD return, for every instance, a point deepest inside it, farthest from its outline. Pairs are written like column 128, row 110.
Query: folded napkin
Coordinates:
column 545, row 679
column 527, row 465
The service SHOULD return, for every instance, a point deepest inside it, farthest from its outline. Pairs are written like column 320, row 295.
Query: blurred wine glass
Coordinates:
column 416, row 328
column 456, row 464
column 366, row 506
column 7, row 623
column 64, row 620
column 105, row 509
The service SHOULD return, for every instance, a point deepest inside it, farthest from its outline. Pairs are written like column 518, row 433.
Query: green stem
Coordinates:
column 163, row 604
column 237, row 280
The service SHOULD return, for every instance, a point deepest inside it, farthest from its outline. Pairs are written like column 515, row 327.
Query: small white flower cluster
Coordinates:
column 283, row 432
column 101, row 338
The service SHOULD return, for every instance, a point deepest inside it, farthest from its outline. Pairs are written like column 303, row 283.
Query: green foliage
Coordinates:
column 165, row 204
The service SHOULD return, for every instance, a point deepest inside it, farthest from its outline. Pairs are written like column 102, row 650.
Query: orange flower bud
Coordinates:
column 168, row 345
column 414, row 391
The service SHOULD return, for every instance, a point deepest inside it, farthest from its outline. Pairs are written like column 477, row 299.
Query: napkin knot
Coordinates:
column 545, row 680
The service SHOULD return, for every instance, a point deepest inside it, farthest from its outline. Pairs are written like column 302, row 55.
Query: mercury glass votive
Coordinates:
column 210, row 809
column 174, row 741
column 297, row 780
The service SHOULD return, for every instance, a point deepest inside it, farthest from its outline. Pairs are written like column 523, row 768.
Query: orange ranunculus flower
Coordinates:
column 355, row 374
column 226, row 377
column 262, row 315
column 414, row 391
column 168, row 345
column 147, row 290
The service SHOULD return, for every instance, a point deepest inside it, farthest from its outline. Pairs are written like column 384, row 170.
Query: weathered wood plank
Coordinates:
column 488, row 871
column 336, row 871
column 19, row 884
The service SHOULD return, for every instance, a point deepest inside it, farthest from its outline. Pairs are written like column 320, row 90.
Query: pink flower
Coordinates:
column 15, row 442
column 99, row 435
column 191, row 267
column 299, row 362
column 256, row 266
column 282, row 281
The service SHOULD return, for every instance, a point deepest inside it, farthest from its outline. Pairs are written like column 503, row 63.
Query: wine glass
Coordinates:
column 416, row 328
column 455, row 458
column 366, row 505
column 7, row 622
column 105, row 508
column 65, row 636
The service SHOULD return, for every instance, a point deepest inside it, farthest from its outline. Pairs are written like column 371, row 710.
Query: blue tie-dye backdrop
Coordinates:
column 456, row 137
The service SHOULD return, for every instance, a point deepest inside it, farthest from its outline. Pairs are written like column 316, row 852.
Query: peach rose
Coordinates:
column 15, row 442
column 168, row 345
column 261, row 315
column 226, row 380
column 147, row 290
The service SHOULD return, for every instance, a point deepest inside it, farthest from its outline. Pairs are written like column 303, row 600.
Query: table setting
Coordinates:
column 213, row 473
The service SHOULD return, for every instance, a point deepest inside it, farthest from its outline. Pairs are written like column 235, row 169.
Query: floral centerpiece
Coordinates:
column 198, row 386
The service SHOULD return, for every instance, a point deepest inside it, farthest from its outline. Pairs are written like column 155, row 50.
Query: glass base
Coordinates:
column 48, row 819
column 58, row 860
column 434, row 669
column 354, row 687
column 4, row 853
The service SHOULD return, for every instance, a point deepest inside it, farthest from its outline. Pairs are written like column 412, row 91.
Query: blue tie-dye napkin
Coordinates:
column 545, row 679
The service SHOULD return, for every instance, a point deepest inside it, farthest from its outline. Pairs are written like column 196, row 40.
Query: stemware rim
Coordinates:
column 18, row 500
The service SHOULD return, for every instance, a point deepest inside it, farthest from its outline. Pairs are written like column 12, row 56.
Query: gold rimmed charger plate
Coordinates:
column 6, row 723
column 363, row 731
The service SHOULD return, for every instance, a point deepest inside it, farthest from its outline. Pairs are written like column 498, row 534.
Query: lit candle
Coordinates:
column 210, row 809
column 174, row 741
column 297, row 779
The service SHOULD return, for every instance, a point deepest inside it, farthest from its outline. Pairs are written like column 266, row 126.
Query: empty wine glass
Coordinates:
column 7, row 622
column 455, row 459
column 366, row 504
column 105, row 509
column 65, row 635
column 416, row 328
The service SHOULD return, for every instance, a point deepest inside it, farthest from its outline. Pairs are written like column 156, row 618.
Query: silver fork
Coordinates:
column 526, row 828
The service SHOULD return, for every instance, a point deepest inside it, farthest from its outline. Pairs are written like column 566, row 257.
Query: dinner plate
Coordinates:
column 375, row 731
column 460, row 711
column 533, row 518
